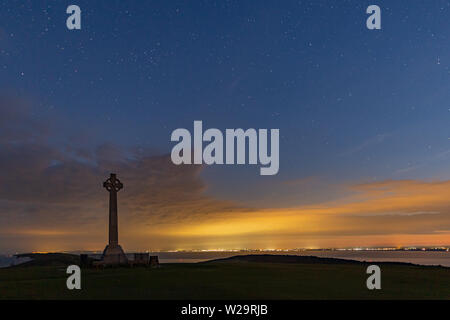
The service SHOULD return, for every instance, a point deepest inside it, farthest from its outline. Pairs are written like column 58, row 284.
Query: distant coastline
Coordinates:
column 432, row 257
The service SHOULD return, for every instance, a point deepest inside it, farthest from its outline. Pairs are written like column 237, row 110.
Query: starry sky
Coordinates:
column 363, row 118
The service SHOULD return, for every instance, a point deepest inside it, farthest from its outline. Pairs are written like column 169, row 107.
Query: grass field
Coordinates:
column 228, row 280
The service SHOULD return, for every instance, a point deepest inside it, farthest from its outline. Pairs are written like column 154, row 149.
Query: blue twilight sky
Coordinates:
column 353, row 105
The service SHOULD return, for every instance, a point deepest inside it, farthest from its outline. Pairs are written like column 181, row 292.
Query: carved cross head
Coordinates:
column 113, row 184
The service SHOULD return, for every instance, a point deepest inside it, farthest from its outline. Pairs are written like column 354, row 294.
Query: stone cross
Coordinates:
column 113, row 185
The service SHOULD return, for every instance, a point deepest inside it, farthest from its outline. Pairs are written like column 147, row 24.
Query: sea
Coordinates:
column 430, row 258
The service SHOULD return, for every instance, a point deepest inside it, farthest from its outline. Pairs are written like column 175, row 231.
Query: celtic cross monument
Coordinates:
column 113, row 253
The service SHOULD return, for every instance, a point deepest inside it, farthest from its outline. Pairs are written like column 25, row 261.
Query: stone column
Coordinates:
column 113, row 253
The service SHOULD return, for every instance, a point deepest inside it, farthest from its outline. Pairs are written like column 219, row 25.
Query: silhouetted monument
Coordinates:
column 113, row 253
column 141, row 259
column 154, row 261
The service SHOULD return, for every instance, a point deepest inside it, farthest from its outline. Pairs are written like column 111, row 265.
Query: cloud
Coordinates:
column 17, row 124
column 53, row 189
column 429, row 161
column 376, row 213
column 51, row 198
column 379, row 138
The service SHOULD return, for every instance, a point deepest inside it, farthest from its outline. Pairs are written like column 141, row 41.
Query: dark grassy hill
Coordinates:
column 243, row 277
column 268, row 258
column 48, row 259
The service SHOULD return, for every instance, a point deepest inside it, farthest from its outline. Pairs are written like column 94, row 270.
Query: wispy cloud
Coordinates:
column 391, row 209
column 430, row 160
column 59, row 189
column 52, row 198
column 379, row 138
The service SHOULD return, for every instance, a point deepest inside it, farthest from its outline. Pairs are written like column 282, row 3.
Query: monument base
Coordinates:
column 114, row 255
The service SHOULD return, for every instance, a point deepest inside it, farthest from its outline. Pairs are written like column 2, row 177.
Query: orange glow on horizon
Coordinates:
column 389, row 213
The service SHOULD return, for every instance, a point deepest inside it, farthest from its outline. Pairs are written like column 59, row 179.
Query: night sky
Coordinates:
column 363, row 118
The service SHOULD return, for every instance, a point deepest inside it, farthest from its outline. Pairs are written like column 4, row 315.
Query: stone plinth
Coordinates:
column 114, row 255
